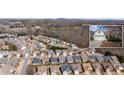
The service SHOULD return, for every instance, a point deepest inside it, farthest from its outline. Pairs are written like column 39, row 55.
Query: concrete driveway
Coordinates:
column 95, row 44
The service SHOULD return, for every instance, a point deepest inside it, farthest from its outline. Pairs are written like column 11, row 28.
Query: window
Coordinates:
column 99, row 32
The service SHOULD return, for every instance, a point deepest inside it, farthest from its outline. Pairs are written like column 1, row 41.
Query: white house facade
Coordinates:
column 99, row 35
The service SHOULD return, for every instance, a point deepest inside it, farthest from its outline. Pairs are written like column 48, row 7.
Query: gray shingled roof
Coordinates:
column 54, row 60
column 77, row 58
column 66, row 67
column 61, row 59
column 70, row 59
column 36, row 61
column 100, row 58
column 51, row 52
column 76, row 67
column 107, row 58
column 84, row 58
column 107, row 65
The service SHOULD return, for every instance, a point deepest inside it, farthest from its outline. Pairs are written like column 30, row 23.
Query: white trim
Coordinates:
column 108, row 47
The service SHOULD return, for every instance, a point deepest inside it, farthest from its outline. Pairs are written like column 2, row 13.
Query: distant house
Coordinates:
column 77, row 58
column 114, row 58
column 92, row 50
column 3, row 45
column 7, row 69
column 58, row 52
column 84, row 58
column 51, row 53
column 64, row 52
column 62, row 59
column 92, row 58
column 98, row 68
column 70, row 59
column 107, row 58
column 54, row 70
column 66, row 69
column 36, row 61
column 122, row 65
column 100, row 59
column 11, row 61
column 45, row 59
column 53, row 60
column 42, row 70
column 99, row 35
column 87, row 68
column 108, row 68
column 77, row 69
column 116, row 64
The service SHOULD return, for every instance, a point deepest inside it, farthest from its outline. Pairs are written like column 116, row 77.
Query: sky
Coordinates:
column 97, row 27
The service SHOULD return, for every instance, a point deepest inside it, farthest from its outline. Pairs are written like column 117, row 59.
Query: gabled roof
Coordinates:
column 100, row 58
column 36, row 61
column 114, row 58
column 76, row 67
column 87, row 66
column 58, row 51
column 84, row 57
column 107, row 65
column 99, row 31
column 107, row 58
column 45, row 59
column 51, row 52
column 42, row 70
column 97, row 65
column 66, row 67
column 69, row 59
column 54, row 69
column 77, row 58
column 61, row 59
column 53, row 60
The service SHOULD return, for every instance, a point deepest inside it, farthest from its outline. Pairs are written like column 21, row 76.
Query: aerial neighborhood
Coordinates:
column 22, row 54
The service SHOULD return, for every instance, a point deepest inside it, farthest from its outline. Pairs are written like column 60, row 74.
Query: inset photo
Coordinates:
column 105, row 36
